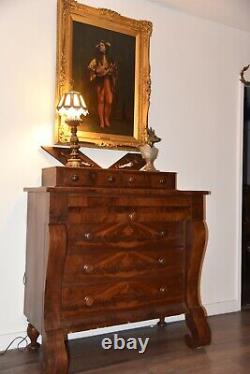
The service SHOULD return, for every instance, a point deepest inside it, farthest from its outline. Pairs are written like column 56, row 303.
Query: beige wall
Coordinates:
column 233, row 13
column 195, row 108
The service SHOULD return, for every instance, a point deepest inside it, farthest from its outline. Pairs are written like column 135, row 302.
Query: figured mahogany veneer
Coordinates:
column 106, row 247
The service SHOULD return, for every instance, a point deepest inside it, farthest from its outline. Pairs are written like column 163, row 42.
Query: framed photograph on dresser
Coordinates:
column 104, row 56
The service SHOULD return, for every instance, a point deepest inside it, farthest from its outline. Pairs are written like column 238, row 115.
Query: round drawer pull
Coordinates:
column 88, row 300
column 162, row 260
column 132, row 216
column 163, row 233
column 163, row 181
column 88, row 268
column 88, row 236
column 131, row 180
column 111, row 178
column 75, row 177
column 163, row 289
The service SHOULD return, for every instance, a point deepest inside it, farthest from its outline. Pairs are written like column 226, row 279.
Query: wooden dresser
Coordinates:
column 106, row 247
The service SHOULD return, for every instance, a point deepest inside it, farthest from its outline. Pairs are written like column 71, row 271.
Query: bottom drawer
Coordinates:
column 124, row 294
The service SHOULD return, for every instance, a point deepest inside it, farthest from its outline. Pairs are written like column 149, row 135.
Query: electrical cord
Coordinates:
column 18, row 345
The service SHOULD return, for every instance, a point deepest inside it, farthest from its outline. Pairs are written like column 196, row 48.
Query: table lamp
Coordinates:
column 73, row 107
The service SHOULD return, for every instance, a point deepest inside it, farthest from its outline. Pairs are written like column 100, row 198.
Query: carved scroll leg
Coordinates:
column 33, row 335
column 162, row 322
column 196, row 316
column 200, row 332
column 56, row 359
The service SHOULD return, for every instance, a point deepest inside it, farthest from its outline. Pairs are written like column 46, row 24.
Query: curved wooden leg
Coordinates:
column 162, row 322
column 33, row 335
column 56, row 358
column 200, row 332
column 195, row 317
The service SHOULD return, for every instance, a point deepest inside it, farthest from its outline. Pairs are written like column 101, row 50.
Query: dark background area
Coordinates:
column 122, row 50
column 246, row 204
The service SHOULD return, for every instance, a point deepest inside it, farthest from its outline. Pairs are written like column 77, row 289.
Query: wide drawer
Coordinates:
column 127, row 231
column 127, row 214
column 94, row 263
column 124, row 294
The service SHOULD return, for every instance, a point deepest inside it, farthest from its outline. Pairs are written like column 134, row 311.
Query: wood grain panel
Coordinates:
column 124, row 294
column 121, row 263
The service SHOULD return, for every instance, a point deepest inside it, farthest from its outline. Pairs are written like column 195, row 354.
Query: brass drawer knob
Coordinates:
column 132, row 216
column 88, row 268
column 162, row 260
column 163, row 181
column 88, row 236
column 88, row 300
column 111, row 178
column 75, row 177
column 163, row 233
column 163, row 289
column 131, row 179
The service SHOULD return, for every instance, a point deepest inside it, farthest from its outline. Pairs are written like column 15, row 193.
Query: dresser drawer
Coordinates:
column 108, row 211
column 71, row 177
column 94, row 263
column 124, row 294
column 160, row 180
column 128, row 232
column 135, row 180
column 106, row 178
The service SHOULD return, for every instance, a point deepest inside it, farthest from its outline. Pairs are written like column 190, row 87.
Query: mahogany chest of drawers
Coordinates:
column 106, row 247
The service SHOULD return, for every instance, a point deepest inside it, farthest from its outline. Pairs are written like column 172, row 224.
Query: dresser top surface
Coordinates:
column 103, row 190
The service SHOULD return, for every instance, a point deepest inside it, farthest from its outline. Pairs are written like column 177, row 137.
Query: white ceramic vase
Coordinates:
column 149, row 154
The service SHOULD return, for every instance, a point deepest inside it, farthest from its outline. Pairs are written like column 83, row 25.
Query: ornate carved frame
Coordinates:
column 69, row 11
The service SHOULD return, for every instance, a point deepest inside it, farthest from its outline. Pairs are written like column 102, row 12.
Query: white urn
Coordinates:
column 149, row 154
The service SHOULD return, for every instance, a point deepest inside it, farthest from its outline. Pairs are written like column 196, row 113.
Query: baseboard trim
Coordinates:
column 222, row 307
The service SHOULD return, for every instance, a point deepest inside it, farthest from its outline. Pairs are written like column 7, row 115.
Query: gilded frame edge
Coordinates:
column 67, row 11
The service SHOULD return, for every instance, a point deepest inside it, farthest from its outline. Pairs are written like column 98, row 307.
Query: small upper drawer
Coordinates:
column 64, row 177
column 106, row 179
column 162, row 180
column 135, row 180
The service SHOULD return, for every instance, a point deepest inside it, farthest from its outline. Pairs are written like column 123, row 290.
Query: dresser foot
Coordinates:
column 33, row 335
column 56, row 359
column 200, row 333
column 162, row 322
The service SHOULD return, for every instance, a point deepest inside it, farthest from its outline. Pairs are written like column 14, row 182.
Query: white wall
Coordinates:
column 195, row 108
column 233, row 13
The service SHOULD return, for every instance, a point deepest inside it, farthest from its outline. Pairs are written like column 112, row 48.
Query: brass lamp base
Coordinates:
column 74, row 163
column 74, row 160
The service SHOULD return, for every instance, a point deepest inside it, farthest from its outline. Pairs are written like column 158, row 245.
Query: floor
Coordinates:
column 166, row 352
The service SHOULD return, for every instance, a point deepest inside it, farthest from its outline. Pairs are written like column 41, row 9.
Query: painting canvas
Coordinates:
column 109, row 95
column 105, row 57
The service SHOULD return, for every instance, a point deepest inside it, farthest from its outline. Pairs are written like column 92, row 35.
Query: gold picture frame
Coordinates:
column 81, row 31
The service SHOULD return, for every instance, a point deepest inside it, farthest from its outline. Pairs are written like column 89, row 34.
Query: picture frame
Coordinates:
column 104, row 56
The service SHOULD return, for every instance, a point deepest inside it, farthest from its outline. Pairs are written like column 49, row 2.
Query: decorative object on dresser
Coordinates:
column 62, row 154
column 149, row 151
column 105, row 247
column 133, row 161
column 73, row 107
